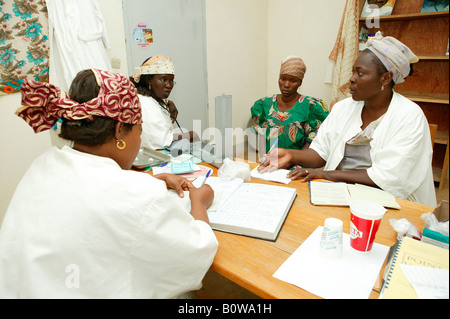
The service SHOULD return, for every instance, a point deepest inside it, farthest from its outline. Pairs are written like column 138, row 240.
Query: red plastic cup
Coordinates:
column 365, row 218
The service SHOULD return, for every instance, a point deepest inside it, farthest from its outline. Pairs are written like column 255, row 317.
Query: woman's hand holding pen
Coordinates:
column 275, row 159
column 284, row 158
column 201, row 200
column 203, row 195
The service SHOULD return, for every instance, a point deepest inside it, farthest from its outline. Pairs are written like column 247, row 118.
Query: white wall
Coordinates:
column 308, row 29
column 236, row 37
column 113, row 16
column 20, row 146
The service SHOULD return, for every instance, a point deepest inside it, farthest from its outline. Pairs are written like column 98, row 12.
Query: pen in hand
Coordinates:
column 264, row 160
column 199, row 181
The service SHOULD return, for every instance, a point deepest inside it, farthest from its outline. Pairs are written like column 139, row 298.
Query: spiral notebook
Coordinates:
column 409, row 251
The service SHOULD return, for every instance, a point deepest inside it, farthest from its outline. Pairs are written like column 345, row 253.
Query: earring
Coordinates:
column 382, row 88
column 121, row 145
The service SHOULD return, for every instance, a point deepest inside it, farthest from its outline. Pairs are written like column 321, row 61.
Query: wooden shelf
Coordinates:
column 441, row 138
column 437, row 173
column 427, row 98
column 408, row 16
column 433, row 57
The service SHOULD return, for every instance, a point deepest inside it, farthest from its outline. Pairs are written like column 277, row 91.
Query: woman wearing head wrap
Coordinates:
column 80, row 224
column 290, row 118
column 378, row 137
column 154, row 82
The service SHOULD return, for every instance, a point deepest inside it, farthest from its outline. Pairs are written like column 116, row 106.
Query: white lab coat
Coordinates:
column 79, row 226
column 78, row 40
column 401, row 150
column 157, row 128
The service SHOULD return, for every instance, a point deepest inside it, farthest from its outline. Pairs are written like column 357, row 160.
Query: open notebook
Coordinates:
column 250, row 209
column 340, row 194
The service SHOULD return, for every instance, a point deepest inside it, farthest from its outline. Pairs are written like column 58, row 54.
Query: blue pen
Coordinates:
column 264, row 160
column 199, row 181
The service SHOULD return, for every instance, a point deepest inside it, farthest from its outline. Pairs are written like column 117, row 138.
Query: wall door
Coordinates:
column 177, row 30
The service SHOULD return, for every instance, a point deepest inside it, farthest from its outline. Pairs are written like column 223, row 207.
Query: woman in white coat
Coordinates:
column 81, row 224
column 155, row 81
column 377, row 138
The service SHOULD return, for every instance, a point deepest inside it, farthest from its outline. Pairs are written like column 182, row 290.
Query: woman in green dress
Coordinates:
column 290, row 118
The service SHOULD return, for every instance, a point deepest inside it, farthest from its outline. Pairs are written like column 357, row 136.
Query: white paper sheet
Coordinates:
column 429, row 283
column 350, row 277
column 276, row 176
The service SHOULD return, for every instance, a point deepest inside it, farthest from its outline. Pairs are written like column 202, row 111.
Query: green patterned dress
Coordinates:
column 293, row 128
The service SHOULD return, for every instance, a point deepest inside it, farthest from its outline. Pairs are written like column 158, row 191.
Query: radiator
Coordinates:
column 224, row 125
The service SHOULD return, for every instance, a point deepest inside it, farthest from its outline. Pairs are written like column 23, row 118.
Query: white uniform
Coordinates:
column 79, row 226
column 157, row 128
column 401, row 150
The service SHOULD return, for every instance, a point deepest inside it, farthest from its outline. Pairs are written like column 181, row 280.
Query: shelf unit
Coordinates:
column 426, row 34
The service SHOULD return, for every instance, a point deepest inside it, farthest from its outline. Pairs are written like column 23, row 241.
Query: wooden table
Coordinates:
column 251, row 262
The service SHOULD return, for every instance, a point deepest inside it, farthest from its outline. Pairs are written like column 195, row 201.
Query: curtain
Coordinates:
column 344, row 53
column 24, row 45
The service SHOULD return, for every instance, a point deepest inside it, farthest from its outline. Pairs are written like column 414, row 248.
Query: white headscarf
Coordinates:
column 394, row 55
column 157, row 64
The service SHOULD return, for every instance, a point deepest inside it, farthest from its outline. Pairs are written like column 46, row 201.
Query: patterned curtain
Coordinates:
column 24, row 49
column 345, row 51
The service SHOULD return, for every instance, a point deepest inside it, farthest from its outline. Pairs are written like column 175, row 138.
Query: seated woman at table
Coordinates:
column 154, row 82
column 81, row 224
column 291, row 118
column 377, row 138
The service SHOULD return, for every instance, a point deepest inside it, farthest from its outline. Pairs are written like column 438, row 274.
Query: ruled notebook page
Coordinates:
column 256, row 210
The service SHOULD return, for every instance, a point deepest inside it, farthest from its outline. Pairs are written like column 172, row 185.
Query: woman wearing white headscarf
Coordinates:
column 377, row 138
column 154, row 82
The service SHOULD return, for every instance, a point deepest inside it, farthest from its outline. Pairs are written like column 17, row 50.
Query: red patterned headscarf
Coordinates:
column 44, row 104
column 293, row 66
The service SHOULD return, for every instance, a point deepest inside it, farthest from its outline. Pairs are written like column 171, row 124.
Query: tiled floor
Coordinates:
column 217, row 287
